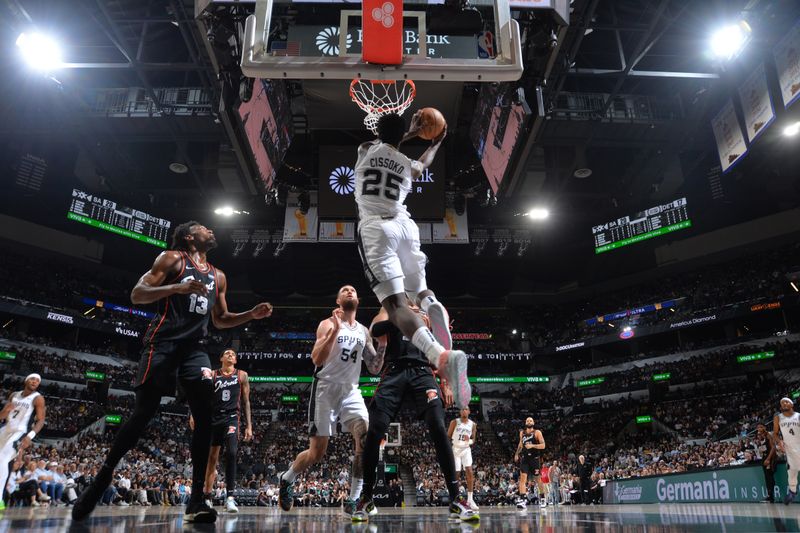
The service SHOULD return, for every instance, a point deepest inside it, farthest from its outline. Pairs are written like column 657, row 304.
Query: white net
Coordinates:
column 380, row 97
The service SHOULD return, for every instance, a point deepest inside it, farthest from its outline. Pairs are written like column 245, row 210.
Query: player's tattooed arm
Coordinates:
column 373, row 357
column 7, row 409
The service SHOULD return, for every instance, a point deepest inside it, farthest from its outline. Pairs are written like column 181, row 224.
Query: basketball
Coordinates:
column 432, row 122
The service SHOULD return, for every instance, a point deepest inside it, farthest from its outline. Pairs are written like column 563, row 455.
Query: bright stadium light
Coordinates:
column 728, row 41
column 538, row 213
column 224, row 211
column 39, row 51
column 792, row 129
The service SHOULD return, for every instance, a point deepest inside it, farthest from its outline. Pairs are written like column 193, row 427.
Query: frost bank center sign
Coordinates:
column 735, row 484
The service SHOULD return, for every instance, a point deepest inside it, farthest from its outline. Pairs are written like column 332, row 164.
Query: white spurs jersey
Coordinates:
column 383, row 180
column 462, row 433
column 790, row 430
column 344, row 363
column 19, row 419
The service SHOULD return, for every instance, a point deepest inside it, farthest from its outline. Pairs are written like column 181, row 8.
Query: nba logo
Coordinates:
column 231, row 430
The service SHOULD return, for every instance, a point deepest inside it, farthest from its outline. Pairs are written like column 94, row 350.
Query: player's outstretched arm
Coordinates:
column 223, row 318
column 326, row 338
column 149, row 288
column 426, row 159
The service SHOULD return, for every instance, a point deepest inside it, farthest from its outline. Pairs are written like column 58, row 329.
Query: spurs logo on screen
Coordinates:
column 342, row 180
column 328, row 41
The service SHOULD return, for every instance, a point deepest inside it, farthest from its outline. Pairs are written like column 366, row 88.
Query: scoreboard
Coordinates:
column 652, row 222
column 107, row 215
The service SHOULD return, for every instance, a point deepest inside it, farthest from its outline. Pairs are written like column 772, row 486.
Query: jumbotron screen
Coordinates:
column 653, row 222
column 337, row 183
column 107, row 215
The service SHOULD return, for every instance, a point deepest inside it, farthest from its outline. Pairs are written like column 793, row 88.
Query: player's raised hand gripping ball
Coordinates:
column 431, row 123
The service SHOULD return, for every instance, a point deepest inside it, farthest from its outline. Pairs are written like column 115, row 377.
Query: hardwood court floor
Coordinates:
column 599, row 518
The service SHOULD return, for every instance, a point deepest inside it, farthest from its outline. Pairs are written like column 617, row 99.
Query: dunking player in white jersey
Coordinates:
column 337, row 354
column 17, row 434
column 462, row 433
column 788, row 424
column 388, row 242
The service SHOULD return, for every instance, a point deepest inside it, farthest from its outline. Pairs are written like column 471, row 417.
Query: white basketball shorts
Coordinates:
column 391, row 255
column 463, row 457
column 334, row 403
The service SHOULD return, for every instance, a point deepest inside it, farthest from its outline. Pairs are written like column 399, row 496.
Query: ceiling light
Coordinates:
column 794, row 286
column 178, row 168
column 513, row 331
column 728, row 41
column 538, row 213
column 792, row 129
column 224, row 211
column 39, row 51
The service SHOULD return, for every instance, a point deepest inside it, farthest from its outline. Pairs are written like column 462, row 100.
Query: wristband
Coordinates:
column 31, row 435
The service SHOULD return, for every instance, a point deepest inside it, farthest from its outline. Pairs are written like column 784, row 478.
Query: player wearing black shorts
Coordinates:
column 189, row 291
column 406, row 372
column 531, row 442
column 231, row 395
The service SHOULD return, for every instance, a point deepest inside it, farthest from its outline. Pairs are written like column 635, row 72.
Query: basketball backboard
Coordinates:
column 491, row 56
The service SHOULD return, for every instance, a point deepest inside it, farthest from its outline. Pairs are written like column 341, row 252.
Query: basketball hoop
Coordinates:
column 381, row 97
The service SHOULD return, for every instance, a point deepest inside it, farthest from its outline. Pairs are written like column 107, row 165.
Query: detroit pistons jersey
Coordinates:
column 462, row 433
column 21, row 416
column 227, row 395
column 185, row 316
column 383, row 180
column 790, row 430
column 344, row 363
column 529, row 439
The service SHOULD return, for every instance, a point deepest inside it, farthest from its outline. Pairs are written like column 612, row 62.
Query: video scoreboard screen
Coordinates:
column 107, row 215
column 652, row 222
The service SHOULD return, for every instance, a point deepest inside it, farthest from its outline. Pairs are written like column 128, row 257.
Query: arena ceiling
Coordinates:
column 628, row 92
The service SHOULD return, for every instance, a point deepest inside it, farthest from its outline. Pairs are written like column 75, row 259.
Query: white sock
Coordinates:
column 290, row 475
column 355, row 488
column 469, row 496
column 426, row 302
column 427, row 344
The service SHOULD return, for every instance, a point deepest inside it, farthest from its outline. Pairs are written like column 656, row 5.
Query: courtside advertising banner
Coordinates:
column 725, row 485
column 787, row 61
column 451, row 230
column 337, row 231
column 756, row 104
column 728, row 133
column 299, row 226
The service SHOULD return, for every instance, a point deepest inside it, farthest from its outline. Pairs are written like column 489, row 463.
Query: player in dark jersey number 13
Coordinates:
column 189, row 291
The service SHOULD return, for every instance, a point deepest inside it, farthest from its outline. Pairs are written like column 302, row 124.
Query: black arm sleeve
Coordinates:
column 379, row 329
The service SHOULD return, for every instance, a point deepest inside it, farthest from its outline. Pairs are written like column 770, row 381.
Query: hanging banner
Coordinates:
column 728, row 133
column 756, row 104
column 337, row 231
column 787, row 60
column 452, row 230
column 425, row 232
column 299, row 226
